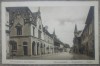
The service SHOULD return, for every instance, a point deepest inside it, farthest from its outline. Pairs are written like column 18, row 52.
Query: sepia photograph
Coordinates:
column 58, row 33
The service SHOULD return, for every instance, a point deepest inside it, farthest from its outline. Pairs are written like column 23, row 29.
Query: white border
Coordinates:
column 50, row 3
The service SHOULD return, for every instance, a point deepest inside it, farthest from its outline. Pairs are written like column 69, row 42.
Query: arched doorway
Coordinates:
column 33, row 48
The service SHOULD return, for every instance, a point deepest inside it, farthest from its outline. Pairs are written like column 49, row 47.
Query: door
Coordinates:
column 25, row 50
column 33, row 47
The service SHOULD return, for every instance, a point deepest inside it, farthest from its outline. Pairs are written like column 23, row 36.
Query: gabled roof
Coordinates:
column 23, row 10
column 18, row 25
column 34, row 16
column 90, row 15
column 58, row 41
column 46, row 31
column 15, row 9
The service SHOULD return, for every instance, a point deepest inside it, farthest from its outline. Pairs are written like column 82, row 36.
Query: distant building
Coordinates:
column 66, row 48
column 48, row 41
column 87, row 36
column 77, row 40
column 58, row 45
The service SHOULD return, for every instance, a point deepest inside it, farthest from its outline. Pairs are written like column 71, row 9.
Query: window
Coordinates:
column 19, row 30
column 13, row 45
column 33, row 31
column 39, row 34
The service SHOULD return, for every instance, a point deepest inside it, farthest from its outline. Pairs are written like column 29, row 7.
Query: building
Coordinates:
column 58, row 45
column 77, row 40
column 87, row 36
column 66, row 48
column 26, row 33
column 48, row 41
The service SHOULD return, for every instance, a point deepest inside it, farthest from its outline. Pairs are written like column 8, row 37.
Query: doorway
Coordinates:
column 25, row 48
column 33, row 47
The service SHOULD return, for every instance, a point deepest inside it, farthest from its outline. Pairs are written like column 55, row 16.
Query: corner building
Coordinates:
column 26, row 32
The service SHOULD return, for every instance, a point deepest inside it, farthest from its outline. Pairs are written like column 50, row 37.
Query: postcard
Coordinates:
column 50, row 32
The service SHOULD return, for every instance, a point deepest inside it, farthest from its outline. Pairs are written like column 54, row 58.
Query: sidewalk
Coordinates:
column 81, row 57
column 33, row 56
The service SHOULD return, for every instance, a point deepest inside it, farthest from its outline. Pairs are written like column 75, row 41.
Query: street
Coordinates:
column 55, row 56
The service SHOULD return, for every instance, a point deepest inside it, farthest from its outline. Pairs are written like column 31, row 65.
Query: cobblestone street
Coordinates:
column 56, row 56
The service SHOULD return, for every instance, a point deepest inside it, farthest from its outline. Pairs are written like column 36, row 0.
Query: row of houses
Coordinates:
column 84, row 40
column 26, row 34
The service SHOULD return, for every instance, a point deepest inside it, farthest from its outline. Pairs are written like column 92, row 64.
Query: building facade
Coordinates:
column 48, row 41
column 84, row 41
column 87, row 36
column 77, row 41
column 26, row 33
column 58, row 45
column 66, row 48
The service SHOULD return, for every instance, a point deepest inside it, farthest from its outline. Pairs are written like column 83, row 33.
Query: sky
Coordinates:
column 62, row 19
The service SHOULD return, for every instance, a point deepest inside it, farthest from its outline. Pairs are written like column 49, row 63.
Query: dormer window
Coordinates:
column 26, row 21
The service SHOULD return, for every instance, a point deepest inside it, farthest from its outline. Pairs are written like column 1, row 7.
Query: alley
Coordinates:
column 56, row 56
